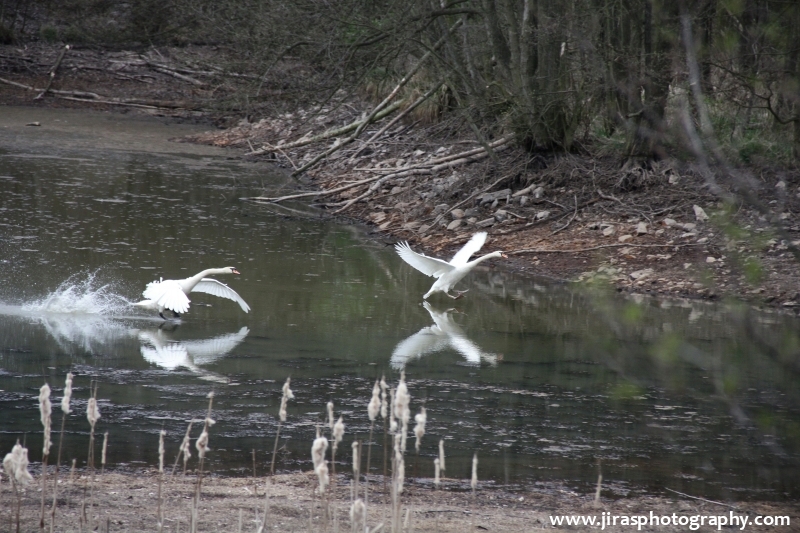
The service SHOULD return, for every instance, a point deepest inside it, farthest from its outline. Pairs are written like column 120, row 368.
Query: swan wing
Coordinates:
column 208, row 350
column 167, row 295
column 471, row 352
column 429, row 266
column 473, row 245
column 217, row 288
column 423, row 342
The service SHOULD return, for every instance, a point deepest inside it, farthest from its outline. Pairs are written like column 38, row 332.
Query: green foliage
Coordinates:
column 48, row 34
column 626, row 391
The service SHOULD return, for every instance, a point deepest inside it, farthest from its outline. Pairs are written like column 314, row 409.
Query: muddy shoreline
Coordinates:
column 129, row 502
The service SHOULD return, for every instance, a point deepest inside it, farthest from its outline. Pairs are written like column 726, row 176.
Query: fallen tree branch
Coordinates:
column 618, row 245
column 308, row 194
column 53, row 72
column 326, row 134
column 394, row 121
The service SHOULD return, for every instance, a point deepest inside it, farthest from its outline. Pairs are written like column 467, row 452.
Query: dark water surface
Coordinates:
column 547, row 382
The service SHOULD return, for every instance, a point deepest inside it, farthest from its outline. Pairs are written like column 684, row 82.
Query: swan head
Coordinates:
column 504, row 256
column 232, row 270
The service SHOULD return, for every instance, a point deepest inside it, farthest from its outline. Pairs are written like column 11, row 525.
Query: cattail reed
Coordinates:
column 419, row 429
column 92, row 415
column 356, row 468
column 373, row 409
column 45, row 412
column 436, row 472
column 474, row 482
column 384, row 412
column 184, row 450
column 330, row 416
column 103, row 453
column 318, row 450
column 160, row 516
column 441, row 455
column 65, row 408
column 338, row 433
column 202, row 448
column 15, row 465
column 358, row 516
column 285, row 397
column 401, row 408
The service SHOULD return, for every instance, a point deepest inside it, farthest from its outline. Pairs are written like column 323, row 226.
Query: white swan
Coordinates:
column 448, row 273
column 173, row 294
column 442, row 334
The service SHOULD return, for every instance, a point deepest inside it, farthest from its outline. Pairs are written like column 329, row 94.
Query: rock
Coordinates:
column 659, row 232
column 412, row 225
column 538, row 192
column 439, row 209
column 457, row 213
column 689, row 226
column 699, row 213
column 492, row 196
column 541, row 215
column 418, row 153
column 711, row 259
column 377, row 217
column 523, row 200
column 669, row 222
column 673, row 179
column 454, row 224
column 472, row 220
column 472, row 212
column 423, row 229
column 641, row 228
column 500, row 215
column 625, row 238
column 702, row 240
column 495, row 203
column 485, row 223
column 641, row 274
column 608, row 231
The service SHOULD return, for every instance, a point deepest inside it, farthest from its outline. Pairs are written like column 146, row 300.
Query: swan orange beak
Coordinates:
column 234, row 271
column 504, row 256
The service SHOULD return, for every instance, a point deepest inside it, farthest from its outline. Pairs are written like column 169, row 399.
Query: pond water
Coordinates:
column 549, row 383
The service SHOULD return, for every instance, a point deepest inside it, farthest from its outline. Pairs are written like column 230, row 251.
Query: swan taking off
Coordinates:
column 448, row 273
column 173, row 294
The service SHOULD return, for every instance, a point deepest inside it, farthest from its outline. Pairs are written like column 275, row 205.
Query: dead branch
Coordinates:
column 396, row 119
column 591, row 248
column 565, row 226
column 172, row 72
column 326, row 134
column 53, row 72
column 315, row 193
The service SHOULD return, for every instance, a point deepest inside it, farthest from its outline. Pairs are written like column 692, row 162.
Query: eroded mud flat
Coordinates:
column 549, row 383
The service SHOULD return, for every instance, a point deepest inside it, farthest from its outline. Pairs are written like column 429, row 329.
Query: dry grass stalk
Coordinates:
column 384, row 412
column 338, row 434
column 358, row 516
column 441, row 455
column 65, row 408
column 103, row 453
column 45, row 412
column 356, row 469
column 184, row 450
column 597, row 491
column 373, row 409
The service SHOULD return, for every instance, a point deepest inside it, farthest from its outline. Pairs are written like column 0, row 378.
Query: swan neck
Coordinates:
column 484, row 258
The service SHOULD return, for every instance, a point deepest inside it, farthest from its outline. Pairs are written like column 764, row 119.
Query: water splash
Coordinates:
column 80, row 297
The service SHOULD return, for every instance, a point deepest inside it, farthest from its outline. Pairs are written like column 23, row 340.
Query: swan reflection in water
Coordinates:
column 170, row 354
column 443, row 334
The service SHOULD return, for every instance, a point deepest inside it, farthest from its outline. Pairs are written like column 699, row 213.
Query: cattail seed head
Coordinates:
column 383, row 397
column 322, row 474
column 392, row 419
column 160, row 450
column 338, row 432
column 186, row 447
column 202, row 443
column 105, row 447
column 67, row 394
column 441, row 455
column 374, row 406
column 358, row 515
column 92, row 412
column 419, row 429
column 15, row 465
column 402, row 400
column 356, row 459
column 318, row 449
column 436, row 472
column 287, row 395
column 330, row 415
column 474, row 482
column 45, row 410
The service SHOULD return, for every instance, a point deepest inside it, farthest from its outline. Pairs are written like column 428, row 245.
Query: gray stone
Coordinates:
column 608, row 231
column 454, row 224
column 541, row 215
column 641, row 228
column 485, row 223
column 500, row 215
column 457, row 213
